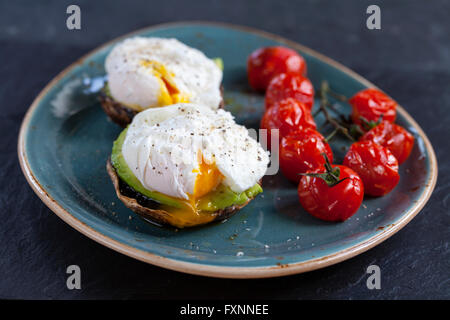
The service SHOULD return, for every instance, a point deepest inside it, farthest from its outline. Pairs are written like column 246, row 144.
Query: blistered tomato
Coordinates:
column 335, row 196
column 392, row 136
column 265, row 63
column 286, row 115
column 371, row 104
column 288, row 85
column 302, row 151
column 375, row 164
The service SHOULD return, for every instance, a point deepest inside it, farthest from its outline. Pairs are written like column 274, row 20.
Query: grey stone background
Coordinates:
column 409, row 58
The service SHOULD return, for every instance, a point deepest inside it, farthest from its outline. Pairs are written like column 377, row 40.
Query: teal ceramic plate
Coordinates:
column 66, row 139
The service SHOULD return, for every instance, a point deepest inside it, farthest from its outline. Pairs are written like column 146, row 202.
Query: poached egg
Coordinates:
column 187, row 150
column 153, row 72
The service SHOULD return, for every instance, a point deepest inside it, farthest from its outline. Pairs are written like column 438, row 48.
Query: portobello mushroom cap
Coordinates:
column 149, row 209
column 121, row 114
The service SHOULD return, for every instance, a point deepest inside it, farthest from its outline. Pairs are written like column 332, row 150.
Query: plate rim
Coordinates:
column 236, row 272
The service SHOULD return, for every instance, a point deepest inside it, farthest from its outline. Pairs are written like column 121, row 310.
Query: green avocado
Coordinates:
column 106, row 90
column 219, row 62
column 221, row 198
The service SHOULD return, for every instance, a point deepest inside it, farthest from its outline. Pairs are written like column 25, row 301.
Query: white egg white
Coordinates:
column 162, row 148
column 134, row 84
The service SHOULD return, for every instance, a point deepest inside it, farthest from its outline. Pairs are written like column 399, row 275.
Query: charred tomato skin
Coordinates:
column 371, row 104
column 392, row 136
column 286, row 115
column 301, row 152
column 375, row 164
column 265, row 63
column 290, row 85
column 336, row 203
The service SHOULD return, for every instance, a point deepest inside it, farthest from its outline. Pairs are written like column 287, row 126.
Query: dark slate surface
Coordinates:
column 409, row 58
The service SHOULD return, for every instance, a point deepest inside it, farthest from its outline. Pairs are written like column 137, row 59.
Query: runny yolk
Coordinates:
column 208, row 178
column 169, row 92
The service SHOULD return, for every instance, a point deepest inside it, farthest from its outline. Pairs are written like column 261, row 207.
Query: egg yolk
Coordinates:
column 169, row 92
column 208, row 178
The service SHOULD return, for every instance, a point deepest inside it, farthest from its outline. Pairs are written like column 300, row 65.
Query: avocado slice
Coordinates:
column 220, row 198
column 106, row 90
column 219, row 62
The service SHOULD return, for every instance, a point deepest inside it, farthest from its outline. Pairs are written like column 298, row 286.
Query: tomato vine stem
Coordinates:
column 330, row 176
column 324, row 104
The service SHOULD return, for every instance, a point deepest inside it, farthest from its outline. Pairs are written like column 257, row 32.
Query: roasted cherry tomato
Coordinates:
column 328, row 200
column 375, row 164
column 301, row 151
column 286, row 115
column 288, row 85
column 371, row 104
column 265, row 63
column 392, row 136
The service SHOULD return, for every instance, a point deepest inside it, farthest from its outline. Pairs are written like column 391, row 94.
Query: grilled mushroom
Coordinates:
column 151, row 210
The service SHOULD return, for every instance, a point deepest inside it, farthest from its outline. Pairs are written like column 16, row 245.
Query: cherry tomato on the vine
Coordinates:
column 375, row 164
column 371, row 104
column 392, row 136
column 332, row 203
column 265, row 63
column 286, row 115
column 301, row 151
column 289, row 85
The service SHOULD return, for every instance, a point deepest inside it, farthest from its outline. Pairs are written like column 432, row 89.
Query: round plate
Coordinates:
column 66, row 139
